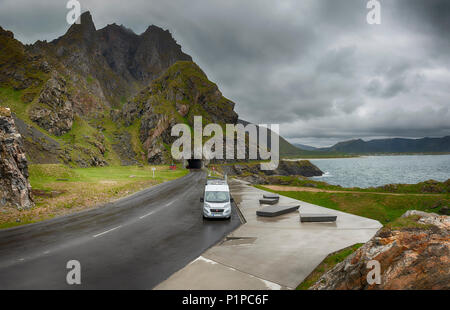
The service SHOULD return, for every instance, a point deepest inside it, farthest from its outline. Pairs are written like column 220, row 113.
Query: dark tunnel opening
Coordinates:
column 195, row 164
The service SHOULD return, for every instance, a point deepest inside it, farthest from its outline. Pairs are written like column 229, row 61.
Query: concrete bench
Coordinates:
column 271, row 196
column 267, row 201
column 272, row 211
column 305, row 217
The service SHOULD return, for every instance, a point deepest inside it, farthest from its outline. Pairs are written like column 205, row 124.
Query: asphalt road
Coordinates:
column 134, row 243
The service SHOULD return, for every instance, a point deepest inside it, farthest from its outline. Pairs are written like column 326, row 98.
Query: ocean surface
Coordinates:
column 375, row 171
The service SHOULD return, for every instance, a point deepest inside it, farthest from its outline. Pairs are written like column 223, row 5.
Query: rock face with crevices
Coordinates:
column 176, row 97
column 412, row 258
column 15, row 189
column 54, row 112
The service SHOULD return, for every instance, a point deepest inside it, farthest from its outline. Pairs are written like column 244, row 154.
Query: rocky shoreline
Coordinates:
column 251, row 172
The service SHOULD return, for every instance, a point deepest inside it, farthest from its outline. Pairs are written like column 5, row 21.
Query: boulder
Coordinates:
column 411, row 257
column 15, row 189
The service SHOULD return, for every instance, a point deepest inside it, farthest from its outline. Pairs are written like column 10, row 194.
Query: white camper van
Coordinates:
column 216, row 200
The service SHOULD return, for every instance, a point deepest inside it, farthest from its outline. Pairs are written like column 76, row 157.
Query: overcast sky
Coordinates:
column 315, row 67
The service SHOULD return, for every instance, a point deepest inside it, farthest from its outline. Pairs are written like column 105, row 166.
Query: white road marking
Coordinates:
column 154, row 211
column 105, row 232
column 46, row 252
column 144, row 216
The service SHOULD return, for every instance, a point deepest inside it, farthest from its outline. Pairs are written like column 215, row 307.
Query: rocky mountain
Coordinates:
column 286, row 148
column 181, row 93
column 121, row 61
column 414, row 255
column 15, row 189
column 305, row 147
column 397, row 145
column 20, row 70
column 109, row 96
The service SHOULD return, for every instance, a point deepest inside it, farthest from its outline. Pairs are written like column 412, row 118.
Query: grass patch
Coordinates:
column 42, row 175
column 80, row 129
column 133, row 130
column 11, row 98
column 61, row 190
column 407, row 223
column 327, row 264
column 90, row 79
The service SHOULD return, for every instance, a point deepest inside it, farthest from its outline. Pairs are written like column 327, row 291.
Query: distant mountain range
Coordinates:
column 286, row 148
column 359, row 146
column 395, row 145
column 305, row 147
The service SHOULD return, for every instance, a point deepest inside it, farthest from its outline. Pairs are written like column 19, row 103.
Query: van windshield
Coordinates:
column 217, row 196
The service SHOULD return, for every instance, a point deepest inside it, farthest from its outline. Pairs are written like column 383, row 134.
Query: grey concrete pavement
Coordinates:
column 271, row 253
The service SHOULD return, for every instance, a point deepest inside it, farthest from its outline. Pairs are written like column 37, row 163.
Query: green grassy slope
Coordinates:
column 327, row 264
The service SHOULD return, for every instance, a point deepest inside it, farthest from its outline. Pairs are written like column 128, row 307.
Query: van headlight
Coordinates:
column 228, row 206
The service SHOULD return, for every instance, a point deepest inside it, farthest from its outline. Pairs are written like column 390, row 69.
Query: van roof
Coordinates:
column 217, row 188
column 216, row 182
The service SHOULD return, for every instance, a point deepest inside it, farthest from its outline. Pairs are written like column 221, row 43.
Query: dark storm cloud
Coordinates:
column 338, row 61
column 431, row 15
column 314, row 66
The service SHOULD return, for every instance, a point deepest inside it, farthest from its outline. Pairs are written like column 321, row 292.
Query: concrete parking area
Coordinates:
column 270, row 253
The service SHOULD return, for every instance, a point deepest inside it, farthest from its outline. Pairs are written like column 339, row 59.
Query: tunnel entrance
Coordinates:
column 194, row 164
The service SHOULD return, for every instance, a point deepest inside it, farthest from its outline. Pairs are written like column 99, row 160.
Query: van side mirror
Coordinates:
column 231, row 199
column 201, row 199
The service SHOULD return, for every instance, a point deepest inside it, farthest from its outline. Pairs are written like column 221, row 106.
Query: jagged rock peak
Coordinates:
column 153, row 29
column 86, row 27
column 7, row 33
column 120, row 28
column 86, row 21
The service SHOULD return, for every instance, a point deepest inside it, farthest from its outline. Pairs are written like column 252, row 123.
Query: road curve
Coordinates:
column 133, row 243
